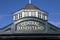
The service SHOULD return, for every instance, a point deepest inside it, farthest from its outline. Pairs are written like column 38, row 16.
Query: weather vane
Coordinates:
column 29, row 1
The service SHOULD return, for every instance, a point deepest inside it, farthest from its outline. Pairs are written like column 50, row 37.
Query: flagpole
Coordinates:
column 29, row 1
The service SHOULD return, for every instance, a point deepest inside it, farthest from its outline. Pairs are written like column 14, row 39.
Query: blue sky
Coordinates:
column 7, row 7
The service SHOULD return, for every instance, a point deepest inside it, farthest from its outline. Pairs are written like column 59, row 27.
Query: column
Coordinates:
column 41, row 15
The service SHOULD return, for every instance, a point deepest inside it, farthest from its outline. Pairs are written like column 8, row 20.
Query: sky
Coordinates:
column 7, row 7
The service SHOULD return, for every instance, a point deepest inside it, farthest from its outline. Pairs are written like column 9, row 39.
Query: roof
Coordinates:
column 30, row 6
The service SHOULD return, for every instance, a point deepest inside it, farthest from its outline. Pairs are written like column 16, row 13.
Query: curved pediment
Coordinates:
column 51, row 29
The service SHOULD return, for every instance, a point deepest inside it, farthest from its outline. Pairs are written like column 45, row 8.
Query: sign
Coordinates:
column 30, row 28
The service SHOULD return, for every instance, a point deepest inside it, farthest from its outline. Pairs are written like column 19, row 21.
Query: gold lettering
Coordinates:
column 18, row 28
column 26, row 28
column 35, row 28
column 41, row 28
column 30, row 28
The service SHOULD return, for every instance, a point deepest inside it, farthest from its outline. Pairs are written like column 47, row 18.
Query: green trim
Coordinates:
column 6, row 26
column 54, row 27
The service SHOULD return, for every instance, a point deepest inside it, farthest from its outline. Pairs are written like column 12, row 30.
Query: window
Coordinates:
column 14, row 17
column 36, row 14
column 23, row 14
column 30, row 13
column 39, row 15
column 45, row 17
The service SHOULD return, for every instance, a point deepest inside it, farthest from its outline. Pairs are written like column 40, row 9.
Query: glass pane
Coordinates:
column 13, row 17
column 36, row 14
column 22, row 14
column 25, row 14
column 45, row 17
column 30, row 13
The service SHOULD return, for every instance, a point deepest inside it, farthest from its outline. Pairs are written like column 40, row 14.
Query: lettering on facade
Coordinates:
column 30, row 28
